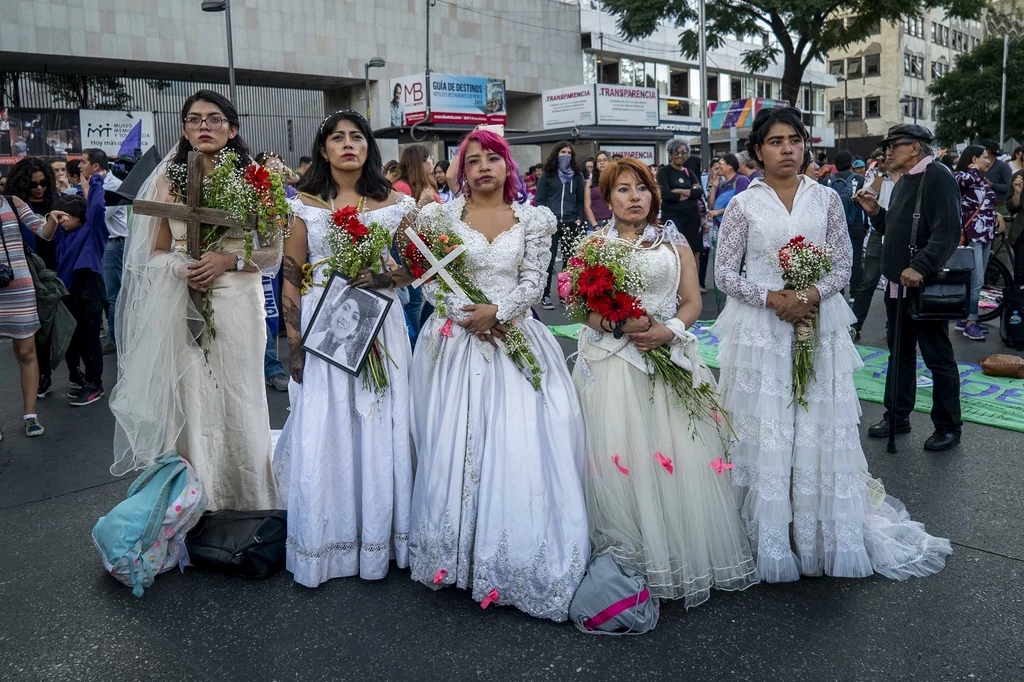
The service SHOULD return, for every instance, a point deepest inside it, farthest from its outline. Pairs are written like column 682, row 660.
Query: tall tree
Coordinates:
column 967, row 98
column 86, row 92
column 803, row 30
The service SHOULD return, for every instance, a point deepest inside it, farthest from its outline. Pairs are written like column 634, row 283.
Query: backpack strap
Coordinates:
column 147, row 475
column 156, row 515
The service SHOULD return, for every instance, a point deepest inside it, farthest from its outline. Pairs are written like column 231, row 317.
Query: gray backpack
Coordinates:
column 613, row 600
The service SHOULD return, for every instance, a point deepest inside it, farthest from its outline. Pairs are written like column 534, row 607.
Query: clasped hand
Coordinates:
column 647, row 333
column 212, row 264
column 789, row 308
column 483, row 323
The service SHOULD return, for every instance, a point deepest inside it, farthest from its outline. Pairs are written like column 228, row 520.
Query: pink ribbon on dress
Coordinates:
column 446, row 330
column 720, row 466
column 615, row 460
column 439, row 576
column 664, row 461
column 489, row 599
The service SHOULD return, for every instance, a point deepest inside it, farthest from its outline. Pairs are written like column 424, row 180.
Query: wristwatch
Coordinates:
column 239, row 264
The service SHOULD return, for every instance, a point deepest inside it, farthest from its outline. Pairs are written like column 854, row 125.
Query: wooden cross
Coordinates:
column 195, row 216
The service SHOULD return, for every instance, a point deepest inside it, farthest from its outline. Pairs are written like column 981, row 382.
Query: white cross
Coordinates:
column 437, row 266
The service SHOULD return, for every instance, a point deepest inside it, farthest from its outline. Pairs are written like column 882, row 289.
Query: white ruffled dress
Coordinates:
column 807, row 500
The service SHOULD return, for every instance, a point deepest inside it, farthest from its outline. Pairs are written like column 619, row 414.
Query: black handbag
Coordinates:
column 247, row 544
column 946, row 294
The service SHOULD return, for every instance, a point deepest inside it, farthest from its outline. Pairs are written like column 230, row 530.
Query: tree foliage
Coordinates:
column 968, row 96
column 804, row 30
column 86, row 92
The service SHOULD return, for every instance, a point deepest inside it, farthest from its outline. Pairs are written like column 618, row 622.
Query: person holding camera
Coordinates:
column 19, row 318
column 938, row 235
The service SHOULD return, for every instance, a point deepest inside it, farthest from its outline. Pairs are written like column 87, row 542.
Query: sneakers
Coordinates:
column 561, row 300
column 279, row 382
column 960, row 324
column 89, row 394
column 45, row 386
column 33, row 428
column 74, row 389
column 974, row 332
column 546, row 303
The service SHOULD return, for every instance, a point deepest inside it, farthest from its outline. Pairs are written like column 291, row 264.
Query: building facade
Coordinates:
column 656, row 62
column 294, row 62
column 883, row 80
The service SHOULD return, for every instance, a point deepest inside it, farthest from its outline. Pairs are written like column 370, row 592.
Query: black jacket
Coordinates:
column 564, row 200
column 1000, row 175
column 938, row 232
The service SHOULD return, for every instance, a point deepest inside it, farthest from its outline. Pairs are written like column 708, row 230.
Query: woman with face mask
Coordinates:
column 208, row 402
column 343, row 461
column 561, row 188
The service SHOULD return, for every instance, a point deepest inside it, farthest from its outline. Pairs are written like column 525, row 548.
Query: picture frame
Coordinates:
column 345, row 324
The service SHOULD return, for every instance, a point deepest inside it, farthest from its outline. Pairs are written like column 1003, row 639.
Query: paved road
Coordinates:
column 62, row 618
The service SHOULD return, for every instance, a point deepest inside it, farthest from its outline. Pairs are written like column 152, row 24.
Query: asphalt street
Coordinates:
column 62, row 618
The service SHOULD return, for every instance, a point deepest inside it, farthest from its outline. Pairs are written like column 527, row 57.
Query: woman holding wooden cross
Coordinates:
column 206, row 400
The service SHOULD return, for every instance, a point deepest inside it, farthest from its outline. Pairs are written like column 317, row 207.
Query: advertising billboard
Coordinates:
column 569, row 107
column 625, row 105
column 453, row 99
column 117, row 132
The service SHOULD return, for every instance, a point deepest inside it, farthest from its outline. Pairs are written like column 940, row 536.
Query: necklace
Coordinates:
column 360, row 205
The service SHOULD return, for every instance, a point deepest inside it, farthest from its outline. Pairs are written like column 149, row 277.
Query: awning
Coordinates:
column 425, row 131
column 595, row 133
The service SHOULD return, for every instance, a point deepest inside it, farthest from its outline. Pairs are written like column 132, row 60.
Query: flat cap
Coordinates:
column 908, row 131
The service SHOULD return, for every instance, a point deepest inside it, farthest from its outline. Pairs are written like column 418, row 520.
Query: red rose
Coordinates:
column 595, row 281
column 258, row 178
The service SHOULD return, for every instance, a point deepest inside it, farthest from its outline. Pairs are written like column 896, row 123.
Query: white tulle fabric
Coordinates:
column 498, row 502
column 213, row 412
column 680, row 528
column 344, row 461
column 805, row 491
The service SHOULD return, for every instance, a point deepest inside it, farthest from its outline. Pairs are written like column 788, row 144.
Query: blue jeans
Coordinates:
column 113, row 265
column 271, row 365
column 981, row 253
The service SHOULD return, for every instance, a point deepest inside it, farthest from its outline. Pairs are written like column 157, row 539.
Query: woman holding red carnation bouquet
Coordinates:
column 498, row 504
column 343, row 460
column 658, row 494
column 807, row 501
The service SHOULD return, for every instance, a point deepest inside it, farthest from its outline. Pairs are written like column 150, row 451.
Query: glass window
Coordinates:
column 835, row 108
column 835, row 67
column 679, row 83
column 711, row 94
column 872, row 64
column 872, row 107
column 626, row 67
column 661, row 72
column 906, row 64
column 589, row 68
column 853, row 106
column 853, row 69
column 609, row 71
column 649, row 76
column 677, row 107
column 736, row 88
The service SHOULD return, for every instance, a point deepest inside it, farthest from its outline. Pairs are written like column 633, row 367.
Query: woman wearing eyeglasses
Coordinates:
column 207, row 402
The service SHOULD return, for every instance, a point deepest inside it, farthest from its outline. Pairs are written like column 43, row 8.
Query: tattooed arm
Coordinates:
column 291, row 295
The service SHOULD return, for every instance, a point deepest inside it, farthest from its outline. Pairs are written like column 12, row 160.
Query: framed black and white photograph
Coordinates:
column 345, row 324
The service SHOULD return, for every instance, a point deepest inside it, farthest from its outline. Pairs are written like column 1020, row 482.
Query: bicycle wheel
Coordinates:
column 997, row 278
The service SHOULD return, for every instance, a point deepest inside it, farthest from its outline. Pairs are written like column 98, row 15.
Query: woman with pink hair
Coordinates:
column 498, row 503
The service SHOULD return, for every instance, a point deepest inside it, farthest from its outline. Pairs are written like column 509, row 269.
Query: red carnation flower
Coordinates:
column 414, row 260
column 618, row 307
column 258, row 178
column 595, row 281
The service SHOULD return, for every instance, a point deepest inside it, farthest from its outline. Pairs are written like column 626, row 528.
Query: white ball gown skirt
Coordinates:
column 807, row 500
column 498, row 502
column 680, row 528
column 344, row 464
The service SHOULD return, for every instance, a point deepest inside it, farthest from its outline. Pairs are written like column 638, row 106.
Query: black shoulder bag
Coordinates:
column 946, row 294
column 249, row 544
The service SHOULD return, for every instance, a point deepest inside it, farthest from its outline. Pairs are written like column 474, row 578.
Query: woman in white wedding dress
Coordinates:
column 498, row 503
column 807, row 500
column 343, row 460
column 212, row 410
column 655, row 500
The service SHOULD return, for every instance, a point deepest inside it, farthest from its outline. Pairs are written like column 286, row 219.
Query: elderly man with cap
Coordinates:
column 938, row 235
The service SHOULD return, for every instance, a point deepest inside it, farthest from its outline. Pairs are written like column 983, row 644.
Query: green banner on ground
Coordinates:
column 991, row 401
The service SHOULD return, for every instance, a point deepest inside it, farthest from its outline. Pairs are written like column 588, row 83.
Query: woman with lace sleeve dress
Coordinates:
column 808, row 502
column 343, row 460
column 498, row 502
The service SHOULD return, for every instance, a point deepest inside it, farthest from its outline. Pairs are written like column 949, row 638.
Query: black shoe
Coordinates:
column 45, row 386
column 942, row 440
column 75, row 389
column 881, row 429
column 546, row 303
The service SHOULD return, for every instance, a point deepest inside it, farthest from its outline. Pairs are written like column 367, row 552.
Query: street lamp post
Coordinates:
column 705, row 137
column 846, row 105
column 225, row 6
column 374, row 63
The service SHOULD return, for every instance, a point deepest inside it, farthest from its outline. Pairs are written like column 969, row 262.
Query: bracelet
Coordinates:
column 618, row 329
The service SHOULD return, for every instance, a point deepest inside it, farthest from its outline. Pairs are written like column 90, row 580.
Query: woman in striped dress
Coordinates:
column 19, row 320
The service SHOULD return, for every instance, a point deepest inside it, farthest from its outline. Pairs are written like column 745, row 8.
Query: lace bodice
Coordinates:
column 512, row 269
column 659, row 267
column 756, row 225
column 318, row 222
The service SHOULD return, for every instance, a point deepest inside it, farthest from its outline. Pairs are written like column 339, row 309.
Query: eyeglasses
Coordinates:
column 41, row 183
column 901, row 143
column 679, row 152
column 212, row 123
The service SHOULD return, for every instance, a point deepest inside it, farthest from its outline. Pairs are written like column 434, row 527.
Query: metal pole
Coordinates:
column 893, row 373
column 426, row 78
column 1002, row 100
column 705, row 138
column 231, row 53
column 846, row 111
column 366, row 77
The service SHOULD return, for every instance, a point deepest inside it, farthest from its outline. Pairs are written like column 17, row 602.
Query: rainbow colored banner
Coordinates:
column 738, row 113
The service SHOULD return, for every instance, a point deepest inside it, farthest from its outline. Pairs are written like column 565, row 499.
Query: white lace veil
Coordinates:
column 155, row 347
